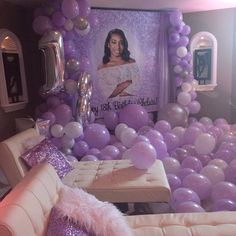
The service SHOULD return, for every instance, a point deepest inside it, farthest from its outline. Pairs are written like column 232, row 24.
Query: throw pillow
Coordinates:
column 46, row 151
column 96, row 217
column 62, row 226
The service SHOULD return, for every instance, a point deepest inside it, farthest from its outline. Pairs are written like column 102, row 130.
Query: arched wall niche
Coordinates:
column 203, row 47
column 13, row 90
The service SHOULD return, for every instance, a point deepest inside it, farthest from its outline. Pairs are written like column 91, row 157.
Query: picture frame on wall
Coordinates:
column 12, row 76
column 202, row 60
column 136, row 79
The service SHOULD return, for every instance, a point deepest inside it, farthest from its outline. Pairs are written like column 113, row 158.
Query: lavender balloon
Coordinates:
column 142, row 155
column 135, row 116
column 96, row 136
column 189, row 206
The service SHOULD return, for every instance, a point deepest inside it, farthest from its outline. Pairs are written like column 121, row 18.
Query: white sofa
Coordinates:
column 25, row 210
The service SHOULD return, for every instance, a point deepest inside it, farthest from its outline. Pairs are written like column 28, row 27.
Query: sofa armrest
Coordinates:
column 25, row 210
column 10, row 151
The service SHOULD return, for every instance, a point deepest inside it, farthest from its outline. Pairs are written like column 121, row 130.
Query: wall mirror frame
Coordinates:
column 203, row 46
column 13, row 89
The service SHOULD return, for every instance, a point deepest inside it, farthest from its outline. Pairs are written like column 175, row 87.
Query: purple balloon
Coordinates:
column 111, row 119
column 41, row 24
column 89, row 158
column 191, row 134
column 143, row 155
column 84, row 8
column 176, row 18
column 230, row 173
column 57, row 142
column 174, row 181
column 58, row 19
column 53, row 101
column 189, row 206
column 63, row 114
column 162, row 126
column 199, row 184
column 49, row 116
column 93, row 151
column 70, row 8
column 173, row 38
column 181, row 195
column 192, row 163
column 161, row 148
column 110, row 150
column 224, row 154
column 223, row 190
column 153, row 134
column 69, row 48
column 183, row 172
column 171, row 140
column 80, row 148
column 96, row 136
column 224, row 205
column 186, row 30
column 204, row 159
column 134, row 115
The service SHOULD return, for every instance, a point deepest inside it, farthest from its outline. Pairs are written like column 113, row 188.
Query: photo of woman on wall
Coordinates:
column 118, row 75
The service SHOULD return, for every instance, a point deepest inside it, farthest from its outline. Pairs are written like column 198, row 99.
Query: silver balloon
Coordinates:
column 81, row 23
column 83, row 109
column 85, row 85
column 51, row 44
column 72, row 65
column 175, row 114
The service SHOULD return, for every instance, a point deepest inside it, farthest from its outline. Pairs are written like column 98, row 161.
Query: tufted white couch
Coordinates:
column 25, row 210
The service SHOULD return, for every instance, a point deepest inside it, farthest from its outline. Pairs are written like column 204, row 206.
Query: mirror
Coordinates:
column 203, row 47
column 13, row 90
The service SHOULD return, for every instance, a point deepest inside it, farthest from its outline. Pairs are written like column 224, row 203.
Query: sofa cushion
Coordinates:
column 62, row 226
column 46, row 151
column 96, row 217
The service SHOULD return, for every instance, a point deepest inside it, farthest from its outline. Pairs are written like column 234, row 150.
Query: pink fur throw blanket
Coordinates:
column 96, row 217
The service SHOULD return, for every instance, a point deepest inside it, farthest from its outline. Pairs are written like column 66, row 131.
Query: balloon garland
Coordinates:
column 198, row 156
column 180, row 62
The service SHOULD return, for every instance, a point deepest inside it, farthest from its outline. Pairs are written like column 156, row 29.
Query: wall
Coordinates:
column 220, row 23
column 19, row 21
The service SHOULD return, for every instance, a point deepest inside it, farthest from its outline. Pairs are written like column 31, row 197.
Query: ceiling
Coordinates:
column 183, row 5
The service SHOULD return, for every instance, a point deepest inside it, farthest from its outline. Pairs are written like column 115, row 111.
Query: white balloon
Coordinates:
column 214, row 173
column 57, row 131
column 206, row 120
column 186, row 87
column 204, row 143
column 69, row 25
column 184, row 98
column 73, row 129
column 128, row 136
column 119, row 128
column 178, row 69
column 181, row 51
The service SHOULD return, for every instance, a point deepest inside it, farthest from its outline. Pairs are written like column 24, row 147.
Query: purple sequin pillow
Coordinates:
column 61, row 226
column 46, row 151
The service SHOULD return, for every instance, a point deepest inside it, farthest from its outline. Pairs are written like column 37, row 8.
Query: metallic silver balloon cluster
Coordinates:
column 83, row 109
column 51, row 45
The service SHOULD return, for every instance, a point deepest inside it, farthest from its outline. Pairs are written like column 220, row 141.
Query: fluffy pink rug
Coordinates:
column 98, row 218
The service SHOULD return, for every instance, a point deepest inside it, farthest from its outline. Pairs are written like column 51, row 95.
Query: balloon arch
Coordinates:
column 199, row 156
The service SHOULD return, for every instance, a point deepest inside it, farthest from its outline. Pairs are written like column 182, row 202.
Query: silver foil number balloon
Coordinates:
column 51, row 44
column 83, row 105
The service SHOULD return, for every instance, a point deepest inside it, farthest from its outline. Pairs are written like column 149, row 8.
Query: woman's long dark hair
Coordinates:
column 107, row 53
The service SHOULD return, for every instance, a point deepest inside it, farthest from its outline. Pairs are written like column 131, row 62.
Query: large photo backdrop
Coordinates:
column 138, row 80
